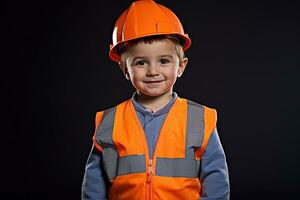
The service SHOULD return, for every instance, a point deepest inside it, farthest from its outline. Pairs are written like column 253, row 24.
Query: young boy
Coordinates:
column 155, row 145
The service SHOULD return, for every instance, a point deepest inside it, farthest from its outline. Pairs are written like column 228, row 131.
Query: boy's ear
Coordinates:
column 124, row 70
column 182, row 65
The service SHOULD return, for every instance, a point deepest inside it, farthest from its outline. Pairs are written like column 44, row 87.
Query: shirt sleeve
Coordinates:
column 94, row 185
column 214, row 171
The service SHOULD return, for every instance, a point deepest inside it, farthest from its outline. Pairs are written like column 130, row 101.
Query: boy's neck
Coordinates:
column 154, row 103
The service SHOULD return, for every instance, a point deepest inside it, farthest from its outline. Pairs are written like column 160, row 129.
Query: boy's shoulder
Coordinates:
column 197, row 104
column 108, row 109
column 208, row 111
column 194, row 103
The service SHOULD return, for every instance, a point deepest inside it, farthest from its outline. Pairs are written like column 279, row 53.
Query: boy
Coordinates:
column 155, row 145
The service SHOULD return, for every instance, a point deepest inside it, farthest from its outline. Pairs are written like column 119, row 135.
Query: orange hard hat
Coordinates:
column 145, row 18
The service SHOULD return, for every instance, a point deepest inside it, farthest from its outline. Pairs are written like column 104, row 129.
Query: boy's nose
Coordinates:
column 152, row 70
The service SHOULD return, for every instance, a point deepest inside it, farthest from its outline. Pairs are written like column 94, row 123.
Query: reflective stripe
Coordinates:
column 104, row 138
column 172, row 167
column 177, row 167
column 194, row 129
column 187, row 167
column 131, row 164
column 114, row 165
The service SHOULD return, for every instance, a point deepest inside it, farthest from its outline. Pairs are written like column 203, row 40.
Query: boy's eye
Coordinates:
column 164, row 61
column 140, row 62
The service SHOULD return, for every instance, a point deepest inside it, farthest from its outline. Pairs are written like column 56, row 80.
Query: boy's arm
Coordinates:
column 214, row 171
column 94, row 185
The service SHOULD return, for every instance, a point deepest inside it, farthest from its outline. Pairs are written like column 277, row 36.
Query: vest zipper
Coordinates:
column 150, row 171
column 152, row 161
column 150, row 166
column 149, row 162
column 149, row 180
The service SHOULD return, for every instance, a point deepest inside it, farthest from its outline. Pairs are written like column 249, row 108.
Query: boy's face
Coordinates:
column 153, row 68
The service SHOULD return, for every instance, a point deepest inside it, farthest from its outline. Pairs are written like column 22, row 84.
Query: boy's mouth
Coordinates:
column 154, row 81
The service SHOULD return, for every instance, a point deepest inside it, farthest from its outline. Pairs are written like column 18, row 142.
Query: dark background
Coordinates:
column 244, row 61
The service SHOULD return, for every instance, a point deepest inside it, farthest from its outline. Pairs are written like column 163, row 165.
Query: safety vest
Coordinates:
column 173, row 172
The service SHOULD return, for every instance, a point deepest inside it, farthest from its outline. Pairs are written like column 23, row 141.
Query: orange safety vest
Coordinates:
column 173, row 172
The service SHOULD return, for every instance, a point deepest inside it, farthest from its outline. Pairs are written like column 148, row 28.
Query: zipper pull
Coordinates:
column 150, row 171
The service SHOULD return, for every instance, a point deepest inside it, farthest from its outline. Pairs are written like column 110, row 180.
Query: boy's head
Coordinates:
column 153, row 64
column 149, row 44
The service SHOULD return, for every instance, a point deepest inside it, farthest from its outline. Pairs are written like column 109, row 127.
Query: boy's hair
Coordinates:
column 123, row 50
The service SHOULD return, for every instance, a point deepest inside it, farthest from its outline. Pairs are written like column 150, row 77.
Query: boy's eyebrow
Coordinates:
column 139, row 57
column 167, row 56
column 142, row 57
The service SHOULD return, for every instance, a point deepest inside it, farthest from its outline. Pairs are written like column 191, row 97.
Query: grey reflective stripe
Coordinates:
column 172, row 167
column 186, row 167
column 104, row 138
column 113, row 164
column 177, row 167
column 131, row 164
column 194, row 129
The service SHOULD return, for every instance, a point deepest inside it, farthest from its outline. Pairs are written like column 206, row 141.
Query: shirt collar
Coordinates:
column 140, row 108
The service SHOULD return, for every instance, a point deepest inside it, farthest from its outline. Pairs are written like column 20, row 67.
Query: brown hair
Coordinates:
column 123, row 49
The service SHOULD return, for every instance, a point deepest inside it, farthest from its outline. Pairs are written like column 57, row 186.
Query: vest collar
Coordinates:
column 142, row 109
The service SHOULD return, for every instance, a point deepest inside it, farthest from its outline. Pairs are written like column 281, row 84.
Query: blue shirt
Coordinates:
column 150, row 121
column 213, row 172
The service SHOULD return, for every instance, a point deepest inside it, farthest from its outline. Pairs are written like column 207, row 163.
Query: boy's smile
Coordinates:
column 154, row 67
